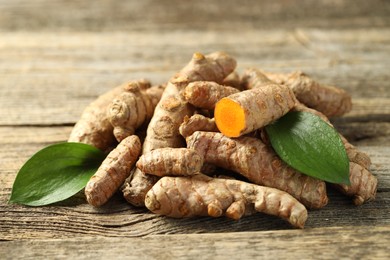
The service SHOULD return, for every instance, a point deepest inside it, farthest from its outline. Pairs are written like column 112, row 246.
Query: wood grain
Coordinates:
column 109, row 15
column 318, row 243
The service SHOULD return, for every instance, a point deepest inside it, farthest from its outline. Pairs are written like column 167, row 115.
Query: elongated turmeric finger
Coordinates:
column 170, row 162
column 200, row 195
column 113, row 171
column 258, row 163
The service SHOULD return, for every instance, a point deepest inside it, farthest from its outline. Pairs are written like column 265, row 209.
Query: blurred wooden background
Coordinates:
column 57, row 56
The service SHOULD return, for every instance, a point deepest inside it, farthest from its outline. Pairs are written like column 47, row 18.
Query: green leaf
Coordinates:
column 311, row 146
column 55, row 173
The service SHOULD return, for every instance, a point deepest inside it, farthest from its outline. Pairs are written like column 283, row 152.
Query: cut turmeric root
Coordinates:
column 200, row 195
column 246, row 111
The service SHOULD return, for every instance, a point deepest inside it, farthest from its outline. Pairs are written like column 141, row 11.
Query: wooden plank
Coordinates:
column 103, row 15
column 325, row 243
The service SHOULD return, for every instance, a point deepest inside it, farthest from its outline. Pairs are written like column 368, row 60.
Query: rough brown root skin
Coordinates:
column 113, row 171
column 163, row 129
column 133, row 107
column 258, row 163
column 170, row 162
column 195, row 123
column 246, row 111
column 94, row 127
column 199, row 195
column 205, row 94
column 363, row 184
column 329, row 100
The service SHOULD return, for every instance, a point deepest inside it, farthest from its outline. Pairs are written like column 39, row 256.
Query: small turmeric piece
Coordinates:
column 205, row 94
column 170, row 161
column 195, row 123
column 113, row 171
column 329, row 100
column 249, row 110
column 133, row 107
column 163, row 129
column 200, row 195
column 259, row 164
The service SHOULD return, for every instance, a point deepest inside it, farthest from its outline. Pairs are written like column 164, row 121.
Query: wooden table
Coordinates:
column 57, row 56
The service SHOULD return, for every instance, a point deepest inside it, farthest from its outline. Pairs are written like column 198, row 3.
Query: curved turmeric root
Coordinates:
column 133, row 107
column 329, row 100
column 246, row 111
column 113, row 171
column 200, row 195
column 170, row 161
column 258, row 163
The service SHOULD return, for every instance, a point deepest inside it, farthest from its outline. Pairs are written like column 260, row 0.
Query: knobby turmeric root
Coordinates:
column 133, row 107
column 113, row 171
column 163, row 129
column 200, row 195
column 205, row 94
column 246, row 111
column 94, row 127
column 259, row 164
column 170, row 161
column 329, row 100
